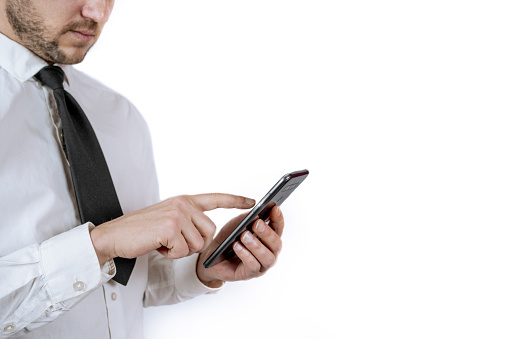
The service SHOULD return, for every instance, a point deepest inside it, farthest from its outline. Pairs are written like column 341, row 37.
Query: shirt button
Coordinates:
column 78, row 286
column 113, row 296
column 9, row 328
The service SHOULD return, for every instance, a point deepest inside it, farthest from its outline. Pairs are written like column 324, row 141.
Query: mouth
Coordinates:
column 84, row 36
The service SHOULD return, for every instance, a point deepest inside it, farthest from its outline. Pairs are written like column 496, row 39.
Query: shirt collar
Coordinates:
column 19, row 61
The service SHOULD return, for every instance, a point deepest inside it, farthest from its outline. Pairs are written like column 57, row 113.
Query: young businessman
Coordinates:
column 56, row 266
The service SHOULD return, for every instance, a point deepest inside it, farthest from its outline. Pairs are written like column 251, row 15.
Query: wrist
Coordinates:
column 100, row 245
column 207, row 281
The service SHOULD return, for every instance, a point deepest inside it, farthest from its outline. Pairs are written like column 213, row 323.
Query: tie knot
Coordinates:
column 51, row 76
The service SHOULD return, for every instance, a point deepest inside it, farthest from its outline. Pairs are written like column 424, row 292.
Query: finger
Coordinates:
column 210, row 201
column 193, row 238
column 176, row 247
column 268, row 237
column 265, row 257
column 205, row 227
column 252, row 266
column 277, row 221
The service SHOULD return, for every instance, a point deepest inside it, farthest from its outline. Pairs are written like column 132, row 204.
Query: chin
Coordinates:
column 72, row 60
column 70, row 57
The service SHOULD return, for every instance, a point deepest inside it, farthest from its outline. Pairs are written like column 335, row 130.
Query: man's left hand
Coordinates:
column 254, row 255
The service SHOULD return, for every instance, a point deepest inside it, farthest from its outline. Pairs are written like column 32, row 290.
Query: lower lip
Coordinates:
column 82, row 37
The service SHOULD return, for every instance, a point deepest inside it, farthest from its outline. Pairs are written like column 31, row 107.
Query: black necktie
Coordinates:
column 95, row 193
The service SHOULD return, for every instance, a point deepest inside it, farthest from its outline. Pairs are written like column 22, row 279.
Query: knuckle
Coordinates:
column 217, row 198
column 180, row 251
column 229, row 199
column 175, row 218
column 171, row 225
column 181, row 202
column 277, row 252
column 278, row 247
column 271, row 262
column 212, row 231
column 261, row 272
column 180, row 214
column 209, row 230
column 254, row 243
column 208, row 235
column 254, row 266
column 239, row 201
column 196, row 244
column 255, row 270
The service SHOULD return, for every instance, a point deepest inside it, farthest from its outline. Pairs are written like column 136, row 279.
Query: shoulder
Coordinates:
column 100, row 102
column 82, row 84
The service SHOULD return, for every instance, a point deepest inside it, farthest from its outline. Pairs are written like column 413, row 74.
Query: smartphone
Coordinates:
column 276, row 195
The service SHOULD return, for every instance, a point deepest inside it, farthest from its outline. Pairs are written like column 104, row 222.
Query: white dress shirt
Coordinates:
column 51, row 284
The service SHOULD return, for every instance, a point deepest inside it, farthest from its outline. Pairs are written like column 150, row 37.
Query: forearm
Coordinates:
column 37, row 279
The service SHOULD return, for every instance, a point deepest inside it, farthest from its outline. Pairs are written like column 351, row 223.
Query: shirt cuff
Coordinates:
column 186, row 280
column 70, row 265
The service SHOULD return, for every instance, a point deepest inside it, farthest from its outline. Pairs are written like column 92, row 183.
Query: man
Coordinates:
column 55, row 270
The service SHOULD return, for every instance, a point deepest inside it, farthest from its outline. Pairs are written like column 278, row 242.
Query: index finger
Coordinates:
column 211, row 201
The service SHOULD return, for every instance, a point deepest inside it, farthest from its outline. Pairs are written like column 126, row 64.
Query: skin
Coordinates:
column 58, row 31
column 255, row 255
column 63, row 31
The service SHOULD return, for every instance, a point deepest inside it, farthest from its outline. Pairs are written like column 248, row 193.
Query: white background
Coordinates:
column 399, row 111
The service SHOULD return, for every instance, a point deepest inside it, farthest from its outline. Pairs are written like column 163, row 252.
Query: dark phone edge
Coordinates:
column 251, row 215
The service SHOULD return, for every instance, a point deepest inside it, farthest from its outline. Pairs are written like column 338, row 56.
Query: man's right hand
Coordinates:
column 176, row 227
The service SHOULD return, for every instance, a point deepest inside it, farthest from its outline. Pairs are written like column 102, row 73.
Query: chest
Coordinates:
column 37, row 199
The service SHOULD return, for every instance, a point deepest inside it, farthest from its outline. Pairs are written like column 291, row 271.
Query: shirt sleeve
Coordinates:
column 171, row 281
column 39, row 283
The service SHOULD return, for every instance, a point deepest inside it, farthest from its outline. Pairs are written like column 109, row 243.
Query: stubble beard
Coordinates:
column 29, row 26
